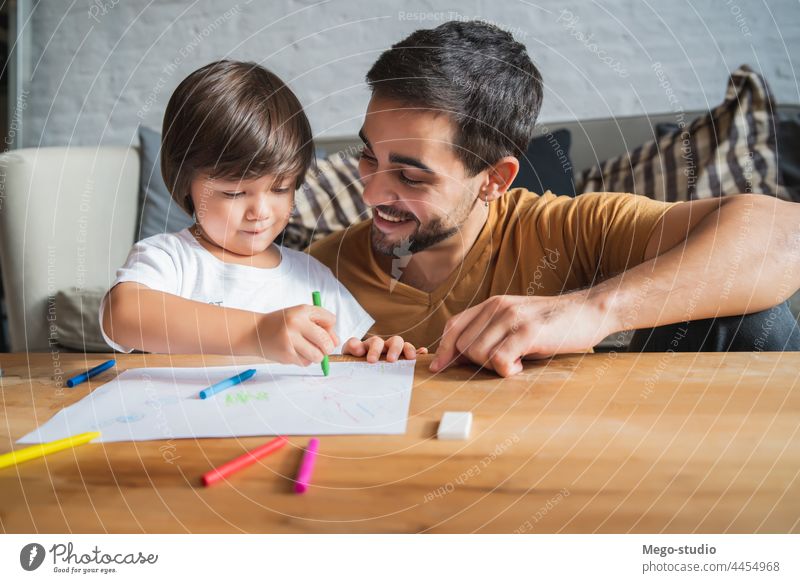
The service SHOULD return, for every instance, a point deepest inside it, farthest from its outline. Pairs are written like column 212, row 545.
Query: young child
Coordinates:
column 236, row 144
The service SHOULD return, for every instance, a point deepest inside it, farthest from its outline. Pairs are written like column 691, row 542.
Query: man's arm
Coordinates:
column 719, row 257
column 708, row 258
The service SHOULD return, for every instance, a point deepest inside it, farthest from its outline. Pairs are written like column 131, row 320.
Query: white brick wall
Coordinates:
column 104, row 66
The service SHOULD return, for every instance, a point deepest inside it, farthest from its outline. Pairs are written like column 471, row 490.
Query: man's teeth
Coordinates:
column 386, row 217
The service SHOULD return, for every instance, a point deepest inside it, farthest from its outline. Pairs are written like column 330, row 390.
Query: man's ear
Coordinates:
column 499, row 177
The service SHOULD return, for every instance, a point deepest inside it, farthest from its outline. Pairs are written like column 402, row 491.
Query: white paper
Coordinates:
column 163, row 403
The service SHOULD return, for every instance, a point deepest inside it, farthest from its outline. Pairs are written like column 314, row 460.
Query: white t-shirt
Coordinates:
column 177, row 264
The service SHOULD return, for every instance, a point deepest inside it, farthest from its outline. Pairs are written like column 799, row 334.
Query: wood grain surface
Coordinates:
column 611, row 443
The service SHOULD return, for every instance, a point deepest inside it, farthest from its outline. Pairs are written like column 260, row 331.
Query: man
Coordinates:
column 452, row 258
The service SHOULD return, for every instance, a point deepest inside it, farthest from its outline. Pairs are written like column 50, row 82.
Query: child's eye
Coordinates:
column 409, row 181
column 233, row 194
column 282, row 190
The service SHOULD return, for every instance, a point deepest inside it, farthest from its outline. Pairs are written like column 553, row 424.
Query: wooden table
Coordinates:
column 592, row 443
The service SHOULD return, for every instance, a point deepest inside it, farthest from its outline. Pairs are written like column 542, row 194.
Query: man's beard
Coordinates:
column 426, row 236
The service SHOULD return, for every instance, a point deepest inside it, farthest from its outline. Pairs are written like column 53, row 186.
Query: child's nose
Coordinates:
column 259, row 209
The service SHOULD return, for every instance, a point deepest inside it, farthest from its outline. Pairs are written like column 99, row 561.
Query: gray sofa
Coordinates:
column 68, row 218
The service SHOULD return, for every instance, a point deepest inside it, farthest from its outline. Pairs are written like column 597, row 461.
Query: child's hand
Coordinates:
column 298, row 335
column 374, row 346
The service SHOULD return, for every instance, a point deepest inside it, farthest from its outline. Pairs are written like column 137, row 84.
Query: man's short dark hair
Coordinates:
column 233, row 120
column 478, row 75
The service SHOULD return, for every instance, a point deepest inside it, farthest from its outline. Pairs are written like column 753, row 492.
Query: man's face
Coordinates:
column 419, row 191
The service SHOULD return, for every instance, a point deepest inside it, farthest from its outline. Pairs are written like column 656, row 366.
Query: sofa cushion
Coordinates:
column 727, row 151
column 547, row 165
column 789, row 154
column 76, row 323
column 328, row 201
column 157, row 211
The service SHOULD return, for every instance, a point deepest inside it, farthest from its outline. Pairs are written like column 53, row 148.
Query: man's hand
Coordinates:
column 374, row 346
column 500, row 332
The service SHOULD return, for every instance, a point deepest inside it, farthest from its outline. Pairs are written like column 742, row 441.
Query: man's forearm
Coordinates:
column 743, row 257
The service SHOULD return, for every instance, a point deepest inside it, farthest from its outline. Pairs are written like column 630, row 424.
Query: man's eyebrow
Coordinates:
column 398, row 158
column 407, row 161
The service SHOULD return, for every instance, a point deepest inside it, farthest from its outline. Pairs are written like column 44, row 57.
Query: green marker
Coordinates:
column 316, row 297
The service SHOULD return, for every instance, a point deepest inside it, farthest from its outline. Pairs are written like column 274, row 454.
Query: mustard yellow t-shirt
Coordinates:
column 534, row 245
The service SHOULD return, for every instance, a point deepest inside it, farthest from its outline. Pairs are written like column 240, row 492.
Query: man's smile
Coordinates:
column 387, row 218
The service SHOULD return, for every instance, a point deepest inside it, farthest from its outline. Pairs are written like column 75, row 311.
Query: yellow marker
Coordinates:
column 42, row 449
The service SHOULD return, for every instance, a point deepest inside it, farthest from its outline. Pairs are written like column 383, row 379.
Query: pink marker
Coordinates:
column 306, row 467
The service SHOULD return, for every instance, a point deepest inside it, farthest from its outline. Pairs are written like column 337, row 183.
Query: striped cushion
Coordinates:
column 329, row 200
column 727, row 151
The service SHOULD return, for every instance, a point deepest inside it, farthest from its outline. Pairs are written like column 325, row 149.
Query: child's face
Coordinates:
column 242, row 216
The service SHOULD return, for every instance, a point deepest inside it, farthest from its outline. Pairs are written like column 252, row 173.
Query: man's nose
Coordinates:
column 378, row 188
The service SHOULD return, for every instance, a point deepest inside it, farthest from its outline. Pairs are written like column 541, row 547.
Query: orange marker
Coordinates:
column 243, row 461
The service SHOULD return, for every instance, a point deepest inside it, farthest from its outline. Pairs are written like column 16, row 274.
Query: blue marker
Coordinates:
column 92, row 372
column 227, row 384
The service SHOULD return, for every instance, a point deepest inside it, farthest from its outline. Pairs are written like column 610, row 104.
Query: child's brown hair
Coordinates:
column 233, row 120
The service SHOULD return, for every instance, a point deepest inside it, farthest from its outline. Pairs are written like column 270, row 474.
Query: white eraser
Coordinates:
column 455, row 425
